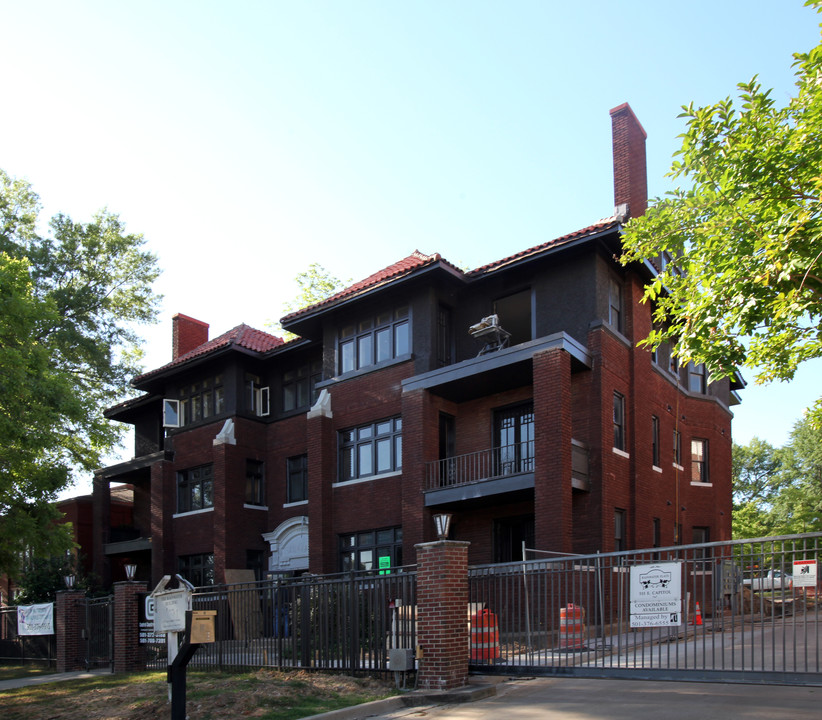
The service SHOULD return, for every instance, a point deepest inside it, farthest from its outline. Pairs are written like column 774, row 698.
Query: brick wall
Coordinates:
column 442, row 621
column 69, row 619
column 186, row 334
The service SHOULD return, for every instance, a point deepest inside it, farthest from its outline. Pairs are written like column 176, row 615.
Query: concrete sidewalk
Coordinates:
column 50, row 678
column 593, row 699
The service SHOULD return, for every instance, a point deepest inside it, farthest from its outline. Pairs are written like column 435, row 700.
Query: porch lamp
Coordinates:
column 131, row 570
column 442, row 521
column 69, row 581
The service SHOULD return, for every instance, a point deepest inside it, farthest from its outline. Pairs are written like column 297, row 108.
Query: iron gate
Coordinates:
column 98, row 634
column 744, row 616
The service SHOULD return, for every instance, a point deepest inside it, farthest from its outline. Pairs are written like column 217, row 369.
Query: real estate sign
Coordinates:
column 35, row 619
column 656, row 595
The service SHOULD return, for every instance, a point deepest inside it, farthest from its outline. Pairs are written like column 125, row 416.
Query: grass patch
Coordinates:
column 13, row 670
column 263, row 694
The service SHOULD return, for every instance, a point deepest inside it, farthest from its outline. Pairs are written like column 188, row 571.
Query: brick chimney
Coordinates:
column 186, row 334
column 630, row 176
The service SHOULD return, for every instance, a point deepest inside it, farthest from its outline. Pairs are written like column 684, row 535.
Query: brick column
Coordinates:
column 68, row 621
column 127, row 656
column 322, row 463
column 442, row 614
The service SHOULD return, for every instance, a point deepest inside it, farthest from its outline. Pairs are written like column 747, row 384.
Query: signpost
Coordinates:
column 656, row 595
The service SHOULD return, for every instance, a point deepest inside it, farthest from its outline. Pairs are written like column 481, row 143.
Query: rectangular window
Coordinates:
column 697, row 378
column 444, row 339
column 256, row 396
column 297, row 482
column 373, row 340
column 254, row 482
column 655, row 439
column 514, row 430
column 300, row 386
column 371, row 550
column 620, row 542
column 197, row 569
column 195, row 489
column 657, row 537
column 615, row 304
column 699, row 461
column 195, row 402
column 619, row 421
column 372, row 449
column 700, row 536
column 677, row 448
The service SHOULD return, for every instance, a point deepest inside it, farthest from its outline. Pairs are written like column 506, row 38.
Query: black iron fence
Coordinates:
column 745, row 609
column 15, row 647
column 346, row 622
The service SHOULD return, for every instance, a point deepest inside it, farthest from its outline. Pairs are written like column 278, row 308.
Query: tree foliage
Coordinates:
column 779, row 490
column 70, row 302
column 743, row 285
column 315, row 284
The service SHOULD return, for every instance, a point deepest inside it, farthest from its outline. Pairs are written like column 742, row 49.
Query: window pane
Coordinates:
column 384, row 455
column 384, row 344
column 365, row 351
column 219, row 401
column 347, row 356
column 347, row 469
column 383, row 428
column 365, row 432
column 366, row 559
column 398, row 451
column 402, row 345
column 365, row 460
column 289, row 398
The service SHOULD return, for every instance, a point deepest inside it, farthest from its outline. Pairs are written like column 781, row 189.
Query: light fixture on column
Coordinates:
column 69, row 581
column 131, row 570
column 442, row 522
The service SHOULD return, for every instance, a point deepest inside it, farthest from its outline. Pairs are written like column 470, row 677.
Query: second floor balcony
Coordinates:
column 494, row 471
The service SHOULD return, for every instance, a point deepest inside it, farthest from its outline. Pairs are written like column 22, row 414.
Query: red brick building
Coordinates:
column 512, row 396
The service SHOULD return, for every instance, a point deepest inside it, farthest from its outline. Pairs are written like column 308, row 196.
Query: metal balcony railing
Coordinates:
column 483, row 465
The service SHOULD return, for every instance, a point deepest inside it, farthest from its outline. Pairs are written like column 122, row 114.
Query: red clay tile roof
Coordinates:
column 406, row 266
column 597, row 227
column 242, row 336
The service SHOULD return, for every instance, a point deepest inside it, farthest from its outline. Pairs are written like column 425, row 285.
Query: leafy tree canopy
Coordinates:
column 70, row 301
column 743, row 286
column 315, row 284
column 778, row 491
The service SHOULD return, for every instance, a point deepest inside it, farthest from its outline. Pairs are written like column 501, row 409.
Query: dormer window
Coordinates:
column 375, row 339
column 195, row 402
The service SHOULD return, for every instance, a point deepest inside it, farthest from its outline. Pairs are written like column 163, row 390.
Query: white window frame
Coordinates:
column 262, row 401
column 170, row 406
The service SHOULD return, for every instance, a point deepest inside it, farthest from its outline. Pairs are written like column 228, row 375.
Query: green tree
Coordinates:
column 70, row 303
column 743, row 281
column 316, row 284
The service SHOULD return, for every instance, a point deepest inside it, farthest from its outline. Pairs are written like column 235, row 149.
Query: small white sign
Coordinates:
column 804, row 573
column 656, row 595
column 170, row 611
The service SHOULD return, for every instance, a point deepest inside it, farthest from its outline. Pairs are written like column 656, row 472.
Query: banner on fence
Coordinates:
column 35, row 619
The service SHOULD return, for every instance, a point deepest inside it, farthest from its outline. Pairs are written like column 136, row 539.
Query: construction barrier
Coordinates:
column 572, row 627
column 484, row 636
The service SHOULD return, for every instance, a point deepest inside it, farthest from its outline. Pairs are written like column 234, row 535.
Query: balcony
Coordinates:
column 505, row 469
column 497, row 470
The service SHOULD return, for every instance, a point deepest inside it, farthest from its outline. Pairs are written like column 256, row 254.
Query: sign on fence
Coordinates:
column 35, row 619
column 656, row 595
column 804, row 573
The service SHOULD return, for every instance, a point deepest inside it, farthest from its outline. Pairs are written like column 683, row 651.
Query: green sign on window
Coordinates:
column 384, row 562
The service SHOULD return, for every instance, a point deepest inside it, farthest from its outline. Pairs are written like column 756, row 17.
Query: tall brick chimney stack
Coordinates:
column 186, row 334
column 630, row 175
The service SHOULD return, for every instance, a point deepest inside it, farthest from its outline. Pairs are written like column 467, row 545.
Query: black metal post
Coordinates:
column 177, row 673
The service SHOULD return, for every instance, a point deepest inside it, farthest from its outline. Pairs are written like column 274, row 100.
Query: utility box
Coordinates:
column 202, row 626
column 401, row 659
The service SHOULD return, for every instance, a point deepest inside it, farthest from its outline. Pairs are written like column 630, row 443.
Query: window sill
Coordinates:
column 679, row 467
column 346, row 483
column 365, row 371
column 249, row 506
column 296, row 503
column 193, row 512
column 621, row 453
column 656, row 468
column 701, row 484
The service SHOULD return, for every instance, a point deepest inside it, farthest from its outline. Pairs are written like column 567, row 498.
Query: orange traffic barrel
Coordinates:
column 572, row 627
column 484, row 636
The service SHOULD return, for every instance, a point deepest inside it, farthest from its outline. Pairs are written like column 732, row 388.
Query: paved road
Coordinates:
column 591, row 699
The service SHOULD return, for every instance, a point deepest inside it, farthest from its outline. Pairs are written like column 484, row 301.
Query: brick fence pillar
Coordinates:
column 69, row 618
column 442, row 614
column 127, row 655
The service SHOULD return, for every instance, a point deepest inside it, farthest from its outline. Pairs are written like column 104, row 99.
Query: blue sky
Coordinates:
column 247, row 140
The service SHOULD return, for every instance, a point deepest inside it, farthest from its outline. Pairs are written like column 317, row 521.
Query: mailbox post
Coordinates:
column 173, row 615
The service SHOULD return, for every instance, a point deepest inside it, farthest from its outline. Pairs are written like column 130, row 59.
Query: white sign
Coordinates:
column 804, row 573
column 35, row 619
column 656, row 595
column 170, row 611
